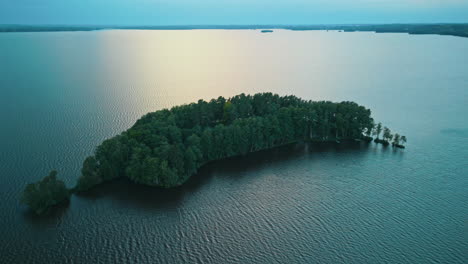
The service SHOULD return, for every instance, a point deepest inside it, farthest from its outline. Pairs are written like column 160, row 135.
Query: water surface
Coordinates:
column 62, row 93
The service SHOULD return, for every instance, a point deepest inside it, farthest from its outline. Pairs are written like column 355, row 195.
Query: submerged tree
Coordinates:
column 387, row 134
column 43, row 194
column 377, row 130
column 396, row 140
column 403, row 139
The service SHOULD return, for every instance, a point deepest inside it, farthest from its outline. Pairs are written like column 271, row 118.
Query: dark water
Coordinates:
column 63, row 93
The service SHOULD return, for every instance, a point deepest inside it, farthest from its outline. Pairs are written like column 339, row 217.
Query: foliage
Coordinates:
column 396, row 139
column 403, row 139
column 41, row 195
column 387, row 134
column 377, row 130
column 166, row 147
column 89, row 174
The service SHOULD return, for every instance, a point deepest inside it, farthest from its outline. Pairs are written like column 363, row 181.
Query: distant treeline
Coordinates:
column 166, row 147
column 460, row 30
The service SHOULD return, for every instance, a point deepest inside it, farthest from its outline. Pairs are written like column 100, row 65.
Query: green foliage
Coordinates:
column 396, row 139
column 89, row 175
column 387, row 134
column 166, row 147
column 377, row 130
column 43, row 194
column 369, row 129
column 403, row 139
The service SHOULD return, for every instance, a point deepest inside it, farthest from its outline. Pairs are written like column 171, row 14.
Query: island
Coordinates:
column 165, row 148
column 45, row 193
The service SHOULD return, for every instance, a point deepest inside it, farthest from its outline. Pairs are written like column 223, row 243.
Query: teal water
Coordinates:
column 62, row 93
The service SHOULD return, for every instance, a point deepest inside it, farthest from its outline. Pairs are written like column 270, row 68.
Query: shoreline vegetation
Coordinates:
column 165, row 148
column 451, row 29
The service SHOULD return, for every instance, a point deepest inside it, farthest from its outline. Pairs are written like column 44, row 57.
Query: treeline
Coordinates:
column 166, row 147
column 396, row 139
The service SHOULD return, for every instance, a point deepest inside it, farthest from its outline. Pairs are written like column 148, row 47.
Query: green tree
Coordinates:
column 89, row 175
column 396, row 139
column 43, row 194
column 403, row 139
column 230, row 112
column 387, row 134
column 377, row 130
column 368, row 131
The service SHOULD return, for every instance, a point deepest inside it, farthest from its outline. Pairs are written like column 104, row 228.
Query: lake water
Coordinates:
column 62, row 93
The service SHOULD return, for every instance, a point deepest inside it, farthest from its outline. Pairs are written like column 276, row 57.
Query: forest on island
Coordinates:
column 166, row 147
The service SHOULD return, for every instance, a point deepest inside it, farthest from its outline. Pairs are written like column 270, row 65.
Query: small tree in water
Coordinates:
column 43, row 194
column 396, row 140
column 403, row 139
column 377, row 130
column 387, row 134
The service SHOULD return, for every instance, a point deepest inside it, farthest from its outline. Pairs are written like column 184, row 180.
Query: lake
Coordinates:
column 63, row 93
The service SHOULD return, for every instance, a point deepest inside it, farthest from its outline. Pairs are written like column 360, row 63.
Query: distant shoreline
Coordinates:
column 458, row 30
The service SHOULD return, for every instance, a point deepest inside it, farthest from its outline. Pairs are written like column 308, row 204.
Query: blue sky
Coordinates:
column 239, row 12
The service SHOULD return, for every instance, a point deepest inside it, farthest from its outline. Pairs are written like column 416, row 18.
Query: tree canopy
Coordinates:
column 166, row 147
column 41, row 195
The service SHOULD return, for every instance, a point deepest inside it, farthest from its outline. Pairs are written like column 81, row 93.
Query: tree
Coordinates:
column 89, row 175
column 150, row 171
column 396, row 139
column 403, row 139
column 387, row 134
column 43, row 194
column 229, row 111
column 377, row 130
column 368, row 130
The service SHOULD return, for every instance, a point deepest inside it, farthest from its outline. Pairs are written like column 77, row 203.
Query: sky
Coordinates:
column 230, row 12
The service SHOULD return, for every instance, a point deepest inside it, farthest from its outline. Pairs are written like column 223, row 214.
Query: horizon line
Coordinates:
column 240, row 25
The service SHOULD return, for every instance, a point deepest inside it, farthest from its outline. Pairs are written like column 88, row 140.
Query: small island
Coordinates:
column 48, row 192
column 267, row 31
column 166, row 147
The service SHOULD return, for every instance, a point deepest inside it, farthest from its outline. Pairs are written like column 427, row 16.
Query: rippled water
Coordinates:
column 63, row 93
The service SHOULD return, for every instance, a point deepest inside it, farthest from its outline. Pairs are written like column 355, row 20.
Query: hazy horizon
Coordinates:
column 229, row 25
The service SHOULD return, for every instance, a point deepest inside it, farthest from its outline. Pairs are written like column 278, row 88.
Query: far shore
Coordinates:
column 459, row 30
